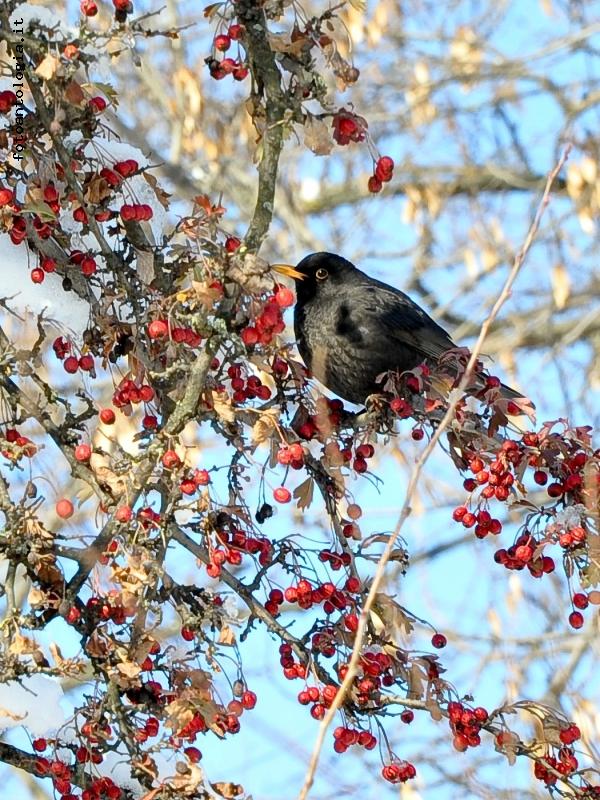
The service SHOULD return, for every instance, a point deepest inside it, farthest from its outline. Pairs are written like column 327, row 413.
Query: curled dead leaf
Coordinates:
column 317, row 136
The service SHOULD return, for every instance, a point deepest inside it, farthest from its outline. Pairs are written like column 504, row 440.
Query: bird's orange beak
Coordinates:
column 288, row 271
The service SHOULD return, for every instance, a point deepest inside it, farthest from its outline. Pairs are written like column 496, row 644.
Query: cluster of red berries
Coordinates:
column 324, row 642
column 246, row 388
column 482, row 520
column 61, row 773
column 228, row 66
column 495, row 478
column 466, row 725
column 236, row 543
column 525, row 553
column 398, row 772
column 320, row 425
column 269, row 321
column 565, row 764
column 362, row 453
column 326, row 593
column 337, row 561
column 291, row 455
column 160, row 329
column 377, row 671
column 222, row 41
column 136, row 211
column 345, row 737
column 191, row 484
column 348, row 127
column 383, row 173
column 109, row 608
column 47, row 266
column 580, row 601
column 72, row 363
column 96, row 731
column 85, row 261
column 23, row 446
column 129, row 393
column 125, row 169
column 321, row 699
column 18, row 231
column 291, row 668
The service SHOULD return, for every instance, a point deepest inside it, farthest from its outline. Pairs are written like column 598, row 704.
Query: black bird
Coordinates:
column 351, row 328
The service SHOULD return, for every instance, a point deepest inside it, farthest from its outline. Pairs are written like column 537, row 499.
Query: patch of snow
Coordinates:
column 26, row 15
column 72, row 139
column 31, row 299
column 34, row 703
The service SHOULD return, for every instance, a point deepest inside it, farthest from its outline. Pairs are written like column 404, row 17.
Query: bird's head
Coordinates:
column 318, row 274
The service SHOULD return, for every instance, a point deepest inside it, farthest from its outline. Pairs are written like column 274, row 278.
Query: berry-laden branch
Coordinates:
column 414, row 481
column 270, row 97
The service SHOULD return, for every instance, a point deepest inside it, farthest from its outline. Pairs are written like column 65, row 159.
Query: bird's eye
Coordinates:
column 321, row 274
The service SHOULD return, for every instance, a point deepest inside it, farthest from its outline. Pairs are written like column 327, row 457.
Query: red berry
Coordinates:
column 193, row 754
column 39, row 745
column 374, row 185
column 86, row 363
column 48, row 264
column 71, row 364
column 249, row 336
column 540, row 477
column 158, row 329
column 222, row 42
column 284, row 296
column 439, row 641
column 187, row 634
column 576, row 619
column 107, row 416
column 201, row 477
column 384, row 169
column 64, row 508
column 98, row 104
column 83, row 452
column 407, row 716
column 6, row 196
column 88, row 266
column 123, row 514
column 282, row 495
column 37, row 275
column 235, row 31
column 170, row 459
column 580, row 600
column 248, row 699
column 88, row 8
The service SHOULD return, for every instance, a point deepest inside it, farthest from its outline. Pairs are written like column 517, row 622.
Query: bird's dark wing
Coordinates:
column 399, row 320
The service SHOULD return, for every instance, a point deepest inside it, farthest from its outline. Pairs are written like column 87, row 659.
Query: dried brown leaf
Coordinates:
column 74, row 94
column 226, row 635
column 317, row 136
column 265, row 426
column 304, row 494
column 48, row 67
column 145, row 266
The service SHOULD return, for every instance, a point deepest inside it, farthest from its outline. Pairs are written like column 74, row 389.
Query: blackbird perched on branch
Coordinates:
column 351, row 328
